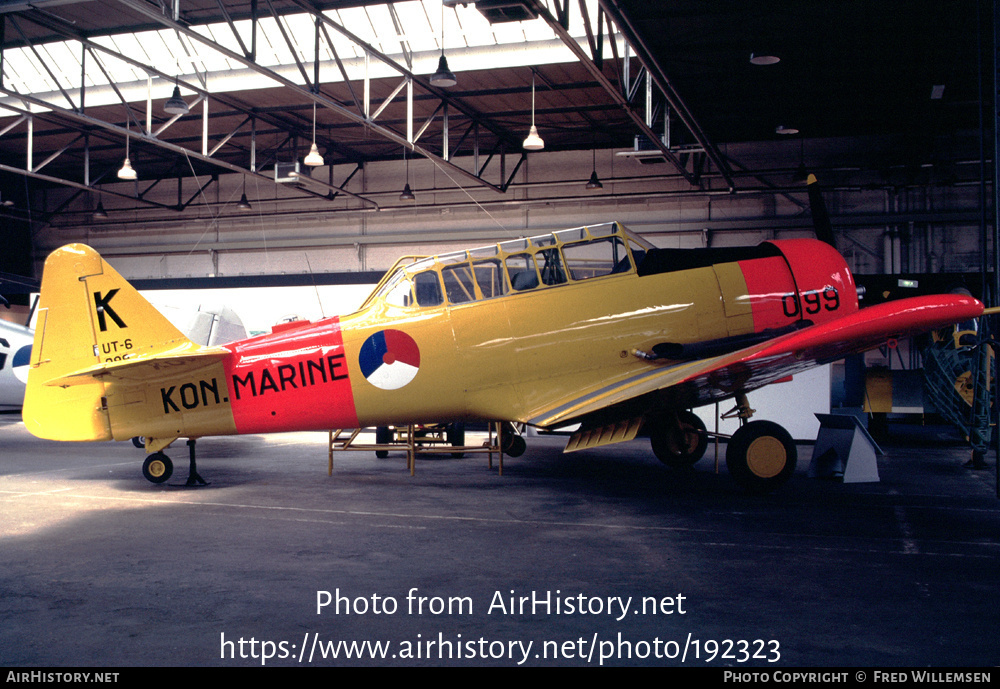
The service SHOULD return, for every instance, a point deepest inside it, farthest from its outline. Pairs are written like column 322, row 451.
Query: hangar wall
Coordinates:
column 932, row 209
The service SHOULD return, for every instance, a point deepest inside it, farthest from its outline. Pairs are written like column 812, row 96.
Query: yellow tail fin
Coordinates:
column 88, row 314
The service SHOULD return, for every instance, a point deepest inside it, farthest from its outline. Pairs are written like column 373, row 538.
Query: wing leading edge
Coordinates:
column 694, row 383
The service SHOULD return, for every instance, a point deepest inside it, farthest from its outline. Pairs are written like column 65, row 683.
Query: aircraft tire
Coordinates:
column 761, row 456
column 456, row 437
column 157, row 468
column 512, row 444
column 667, row 446
column 139, row 442
column 383, row 436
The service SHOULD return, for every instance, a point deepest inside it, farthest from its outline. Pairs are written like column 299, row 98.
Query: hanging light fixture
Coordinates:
column 764, row 59
column 243, row 204
column 594, row 182
column 126, row 172
column 176, row 105
column 99, row 212
column 407, row 194
column 533, row 142
column 443, row 77
column 314, row 159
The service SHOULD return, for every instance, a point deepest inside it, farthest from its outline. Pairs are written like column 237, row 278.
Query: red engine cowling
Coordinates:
column 809, row 281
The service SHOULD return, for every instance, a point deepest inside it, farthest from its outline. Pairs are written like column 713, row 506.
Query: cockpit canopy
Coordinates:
column 519, row 265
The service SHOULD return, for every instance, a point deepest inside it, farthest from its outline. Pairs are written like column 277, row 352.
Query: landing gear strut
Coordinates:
column 158, row 468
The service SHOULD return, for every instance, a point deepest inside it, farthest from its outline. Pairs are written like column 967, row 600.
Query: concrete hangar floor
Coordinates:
column 604, row 556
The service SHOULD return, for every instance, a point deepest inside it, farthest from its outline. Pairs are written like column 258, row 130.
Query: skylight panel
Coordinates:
column 345, row 47
column 64, row 62
column 411, row 27
column 23, row 72
column 222, row 35
column 302, row 33
column 420, row 34
column 121, row 71
column 384, row 33
column 267, row 48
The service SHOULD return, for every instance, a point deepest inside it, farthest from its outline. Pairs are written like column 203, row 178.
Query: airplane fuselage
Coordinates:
column 428, row 347
column 590, row 326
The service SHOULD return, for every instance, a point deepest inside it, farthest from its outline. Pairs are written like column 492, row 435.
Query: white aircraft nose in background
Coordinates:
column 15, row 353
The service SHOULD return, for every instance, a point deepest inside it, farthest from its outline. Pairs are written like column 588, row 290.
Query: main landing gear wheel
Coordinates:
column 679, row 445
column 383, row 436
column 761, row 456
column 455, row 435
column 157, row 468
column 511, row 442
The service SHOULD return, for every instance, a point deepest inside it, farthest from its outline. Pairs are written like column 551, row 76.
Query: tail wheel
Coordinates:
column 761, row 456
column 157, row 468
column 679, row 444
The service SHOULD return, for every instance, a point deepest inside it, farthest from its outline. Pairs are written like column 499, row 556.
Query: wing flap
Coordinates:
column 695, row 383
column 607, row 434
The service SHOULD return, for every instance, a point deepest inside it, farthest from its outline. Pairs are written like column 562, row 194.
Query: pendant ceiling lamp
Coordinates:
column 176, row 105
column 533, row 142
column 594, row 182
column 314, row 159
column 126, row 172
column 243, row 204
column 407, row 194
column 443, row 77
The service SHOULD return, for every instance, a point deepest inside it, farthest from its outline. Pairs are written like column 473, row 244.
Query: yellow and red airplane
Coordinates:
column 590, row 326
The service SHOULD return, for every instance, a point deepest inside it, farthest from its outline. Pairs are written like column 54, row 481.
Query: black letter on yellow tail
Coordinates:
column 103, row 307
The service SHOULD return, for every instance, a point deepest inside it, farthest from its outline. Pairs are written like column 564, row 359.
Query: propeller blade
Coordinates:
column 821, row 217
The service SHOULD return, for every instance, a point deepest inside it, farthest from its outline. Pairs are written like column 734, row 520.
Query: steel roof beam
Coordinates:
column 559, row 27
column 189, row 154
column 318, row 98
column 655, row 71
column 223, row 98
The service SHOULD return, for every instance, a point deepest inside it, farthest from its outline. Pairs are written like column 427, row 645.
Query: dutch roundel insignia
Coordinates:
column 389, row 359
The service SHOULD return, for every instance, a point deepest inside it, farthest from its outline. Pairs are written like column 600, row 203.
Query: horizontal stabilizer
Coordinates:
column 146, row 368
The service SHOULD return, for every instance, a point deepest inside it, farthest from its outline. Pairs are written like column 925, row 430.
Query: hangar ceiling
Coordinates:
column 666, row 81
